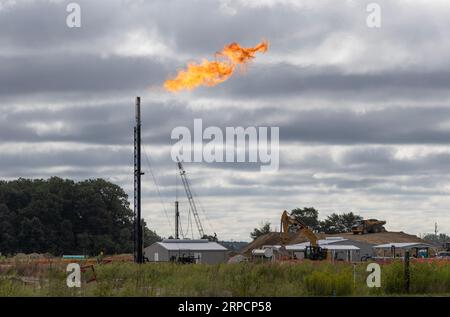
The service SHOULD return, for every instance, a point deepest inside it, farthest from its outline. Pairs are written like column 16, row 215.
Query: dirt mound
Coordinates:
column 274, row 238
column 380, row 238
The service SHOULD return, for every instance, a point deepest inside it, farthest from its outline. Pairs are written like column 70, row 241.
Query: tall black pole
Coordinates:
column 177, row 217
column 135, row 199
column 407, row 273
column 137, row 185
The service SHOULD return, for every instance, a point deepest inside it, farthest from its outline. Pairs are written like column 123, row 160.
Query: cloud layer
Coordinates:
column 364, row 114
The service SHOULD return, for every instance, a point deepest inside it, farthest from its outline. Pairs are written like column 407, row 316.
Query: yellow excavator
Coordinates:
column 313, row 251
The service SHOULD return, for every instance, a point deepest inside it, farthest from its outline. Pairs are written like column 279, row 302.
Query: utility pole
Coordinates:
column 138, row 243
column 406, row 273
column 177, row 218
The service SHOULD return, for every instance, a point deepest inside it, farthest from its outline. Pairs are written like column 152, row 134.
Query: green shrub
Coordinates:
column 242, row 279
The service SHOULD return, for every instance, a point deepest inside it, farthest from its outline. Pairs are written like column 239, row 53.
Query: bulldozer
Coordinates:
column 368, row 226
column 313, row 251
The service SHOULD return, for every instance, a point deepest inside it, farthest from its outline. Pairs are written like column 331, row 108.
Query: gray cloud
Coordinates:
column 55, row 73
column 285, row 80
column 112, row 123
column 363, row 113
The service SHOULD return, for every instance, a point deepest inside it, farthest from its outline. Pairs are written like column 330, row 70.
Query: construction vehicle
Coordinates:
column 368, row 226
column 313, row 251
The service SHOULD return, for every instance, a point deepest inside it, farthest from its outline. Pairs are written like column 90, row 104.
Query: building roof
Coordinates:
column 402, row 245
column 321, row 242
column 191, row 245
column 276, row 247
column 302, row 246
column 329, row 240
column 340, row 247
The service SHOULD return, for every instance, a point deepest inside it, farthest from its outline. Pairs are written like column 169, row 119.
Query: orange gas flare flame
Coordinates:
column 211, row 73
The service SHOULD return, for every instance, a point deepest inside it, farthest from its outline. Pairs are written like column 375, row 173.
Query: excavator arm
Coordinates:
column 287, row 220
column 314, row 251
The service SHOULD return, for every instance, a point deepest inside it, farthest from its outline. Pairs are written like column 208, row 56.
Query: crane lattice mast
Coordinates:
column 187, row 188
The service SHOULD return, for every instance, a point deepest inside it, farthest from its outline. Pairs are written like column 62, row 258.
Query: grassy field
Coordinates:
column 243, row 279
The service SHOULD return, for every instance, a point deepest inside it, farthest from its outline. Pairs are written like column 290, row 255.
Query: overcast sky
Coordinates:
column 364, row 113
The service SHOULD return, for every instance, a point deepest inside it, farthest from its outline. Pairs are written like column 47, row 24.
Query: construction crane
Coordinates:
column 313, row 251
column 187, row 188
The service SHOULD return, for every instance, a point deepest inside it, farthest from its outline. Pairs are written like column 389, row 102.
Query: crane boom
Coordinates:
column 187, row 188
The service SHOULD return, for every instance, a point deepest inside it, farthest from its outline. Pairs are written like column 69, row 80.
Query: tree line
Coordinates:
column 334, row 223
column 62, row 216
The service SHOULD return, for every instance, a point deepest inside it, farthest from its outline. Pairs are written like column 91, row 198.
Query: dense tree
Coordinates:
column 264, row 229
column 334, row 223
column 150, row 236
column 339, row 223
column 308, row 215
column 8, row 238
column 440, row 238
column 62, row 216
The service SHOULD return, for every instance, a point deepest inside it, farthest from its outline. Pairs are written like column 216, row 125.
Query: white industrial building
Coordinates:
column 355, row 248
column 339, row 249
column 397, row 249
column 200, row 251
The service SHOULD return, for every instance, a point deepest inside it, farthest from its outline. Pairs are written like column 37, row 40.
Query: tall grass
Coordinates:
column 243, row 279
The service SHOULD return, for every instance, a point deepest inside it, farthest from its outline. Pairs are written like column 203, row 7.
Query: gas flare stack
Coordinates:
column 138, row 236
